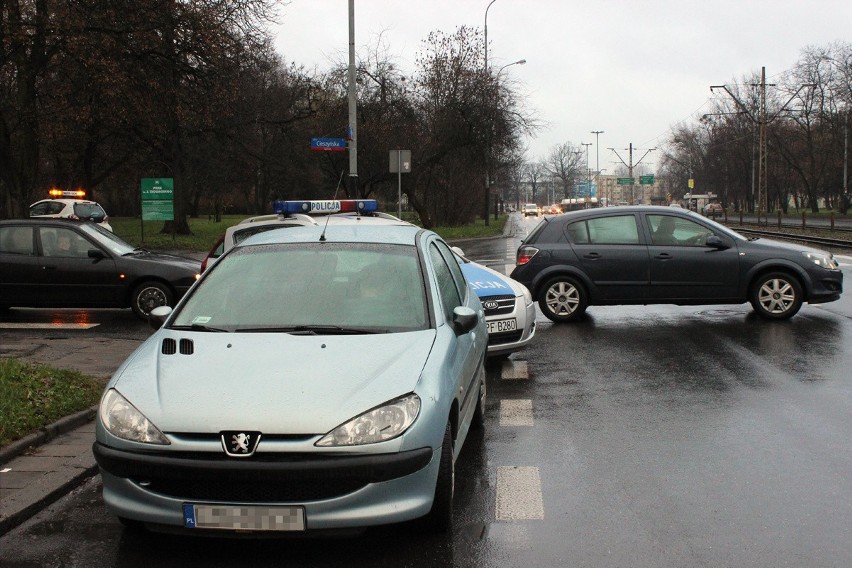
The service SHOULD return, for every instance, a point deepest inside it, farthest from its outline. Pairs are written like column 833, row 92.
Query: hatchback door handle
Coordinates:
column 592, row 255
column 663, row 256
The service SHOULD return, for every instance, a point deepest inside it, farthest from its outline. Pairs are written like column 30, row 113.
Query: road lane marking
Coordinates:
column 514, row 370
column 519, row 494
column 48, row 325
column 516, row 412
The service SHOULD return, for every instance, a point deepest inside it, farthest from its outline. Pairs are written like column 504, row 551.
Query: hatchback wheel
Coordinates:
column 563, row 299
column 148, row 296
column 440, row 518
column 776, row 296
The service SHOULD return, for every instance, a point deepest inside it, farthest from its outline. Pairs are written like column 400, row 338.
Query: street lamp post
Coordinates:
column 588, row 169
column 488, row 149
column 597, row 134
column 488, row 180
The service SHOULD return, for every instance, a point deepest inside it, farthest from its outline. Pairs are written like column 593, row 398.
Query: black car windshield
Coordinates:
column 107, row 239
column 316, row 288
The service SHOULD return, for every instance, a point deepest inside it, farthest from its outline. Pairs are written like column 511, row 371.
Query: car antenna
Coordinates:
column 327, row 217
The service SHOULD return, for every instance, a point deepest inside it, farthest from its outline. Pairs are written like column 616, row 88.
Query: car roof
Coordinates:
column 45, row 221
column 67, row 201
column 389, row 233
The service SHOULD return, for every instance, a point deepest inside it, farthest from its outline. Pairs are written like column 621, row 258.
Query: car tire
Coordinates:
column 149, row 295
column 776, row 296
column 440, row 517
column 563, row 299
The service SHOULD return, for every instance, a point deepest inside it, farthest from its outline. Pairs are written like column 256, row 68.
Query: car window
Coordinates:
column 578, row 232
column 450, row 298
column 91, row 211
column 455, row 269
column 39, row 209
column 670, row 230
column 615, row 230
column 17, row 240
column 276, row 286
column 241, row 235
column 63, row 243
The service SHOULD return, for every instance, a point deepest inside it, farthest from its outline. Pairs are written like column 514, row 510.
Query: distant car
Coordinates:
column 530, row 209
column 296, row 214
column 71, row 209
column 319, row 377
column 62, row 263
column 664, row 255
column 713, row 210
column 509, row 307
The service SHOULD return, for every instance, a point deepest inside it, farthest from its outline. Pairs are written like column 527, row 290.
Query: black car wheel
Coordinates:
column 148, row 296
column 440, row 518
column 776, row 296
column 563, row 299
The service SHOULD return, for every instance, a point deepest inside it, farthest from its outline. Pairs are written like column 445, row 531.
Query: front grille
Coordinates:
column 286, row 489
column 504, row 338
column 505, row 305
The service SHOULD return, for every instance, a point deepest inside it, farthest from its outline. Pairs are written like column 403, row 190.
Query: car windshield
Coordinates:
column 107, row 239
column 310, row 288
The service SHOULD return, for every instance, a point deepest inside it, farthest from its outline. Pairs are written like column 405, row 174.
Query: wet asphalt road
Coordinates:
column 658, row 436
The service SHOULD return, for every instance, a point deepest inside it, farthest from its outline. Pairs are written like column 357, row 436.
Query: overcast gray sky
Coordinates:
column 631, row 68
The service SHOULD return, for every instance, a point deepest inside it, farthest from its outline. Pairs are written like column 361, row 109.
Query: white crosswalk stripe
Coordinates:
column 516, row 412
column 519, row 494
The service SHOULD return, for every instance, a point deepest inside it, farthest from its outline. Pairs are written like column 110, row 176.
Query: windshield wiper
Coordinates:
column 312, row 330
column 199, row 327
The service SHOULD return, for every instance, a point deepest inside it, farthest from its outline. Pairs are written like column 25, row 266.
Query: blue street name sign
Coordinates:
column 328, row 144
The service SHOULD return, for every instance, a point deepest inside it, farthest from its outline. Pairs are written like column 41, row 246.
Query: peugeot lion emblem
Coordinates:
column 240, row 444
column 491, row 304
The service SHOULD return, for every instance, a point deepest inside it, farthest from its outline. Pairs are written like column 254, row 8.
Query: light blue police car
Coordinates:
column 266, row 402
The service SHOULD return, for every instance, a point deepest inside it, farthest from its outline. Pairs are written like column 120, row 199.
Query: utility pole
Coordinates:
column 762, row 121
column 588, row 169
column 630, row 165
column 597, row 134
column 353, row 113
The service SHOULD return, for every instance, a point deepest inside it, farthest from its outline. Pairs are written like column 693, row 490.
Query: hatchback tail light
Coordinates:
column 525, row 254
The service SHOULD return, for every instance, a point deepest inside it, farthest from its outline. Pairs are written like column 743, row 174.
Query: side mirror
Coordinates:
column 716, row 242
column 158, row 316
column 458, row 251
column 97, row 254
column 464, row 320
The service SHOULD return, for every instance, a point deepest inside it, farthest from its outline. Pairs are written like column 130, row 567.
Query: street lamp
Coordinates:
column 588, row 169
column 597, row 134
column 518, row 62
column 488, row 149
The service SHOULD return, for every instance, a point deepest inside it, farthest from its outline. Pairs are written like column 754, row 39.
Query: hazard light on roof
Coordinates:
column 78, row 193
column 326, row 206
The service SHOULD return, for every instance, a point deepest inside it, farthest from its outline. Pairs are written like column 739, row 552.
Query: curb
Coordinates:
column 47, row 433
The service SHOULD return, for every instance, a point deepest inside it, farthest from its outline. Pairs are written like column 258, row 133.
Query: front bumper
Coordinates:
column 340, row 491
column 509, row 342
column 826, row 288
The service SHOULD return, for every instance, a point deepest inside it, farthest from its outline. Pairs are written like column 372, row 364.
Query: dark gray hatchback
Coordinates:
column 661, row 255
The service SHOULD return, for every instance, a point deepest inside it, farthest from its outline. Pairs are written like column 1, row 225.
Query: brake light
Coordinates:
column 525, row 254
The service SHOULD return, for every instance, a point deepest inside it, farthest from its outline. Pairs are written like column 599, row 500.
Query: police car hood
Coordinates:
column 269, row 382
column 487, row 282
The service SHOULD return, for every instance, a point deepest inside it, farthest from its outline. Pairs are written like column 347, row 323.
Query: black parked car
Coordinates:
column 61, row 263
column 663, row 255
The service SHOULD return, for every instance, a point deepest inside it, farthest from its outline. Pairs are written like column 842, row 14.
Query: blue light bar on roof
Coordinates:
column 325, row 207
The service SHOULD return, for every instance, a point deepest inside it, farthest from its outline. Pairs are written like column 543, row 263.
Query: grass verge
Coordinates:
column 34, row 395
column 205, row 231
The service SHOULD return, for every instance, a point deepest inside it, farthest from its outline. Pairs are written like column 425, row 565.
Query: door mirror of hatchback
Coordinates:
column 157, row 317
column 717, row 242
column 97, row 254
column 464, row 319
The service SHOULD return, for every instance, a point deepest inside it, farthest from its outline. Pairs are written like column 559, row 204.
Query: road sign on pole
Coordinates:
column 646, row 180
column 328, row 144
column 625, row 181
column 400, row 163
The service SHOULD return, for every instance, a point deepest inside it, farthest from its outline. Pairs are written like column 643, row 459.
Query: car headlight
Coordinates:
column 528, row 299
column 823, row 260
column 377, row 425
column 123, row 420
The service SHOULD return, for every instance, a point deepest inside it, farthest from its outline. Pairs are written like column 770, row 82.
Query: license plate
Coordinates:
column 243, row 518
column 501, row 326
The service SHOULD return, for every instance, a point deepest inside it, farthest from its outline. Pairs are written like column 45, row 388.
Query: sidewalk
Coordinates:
column 46, row 465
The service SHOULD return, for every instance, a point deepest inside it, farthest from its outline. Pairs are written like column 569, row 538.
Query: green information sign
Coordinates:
column 646, row 180
column 626, row 181
column 158, row 199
